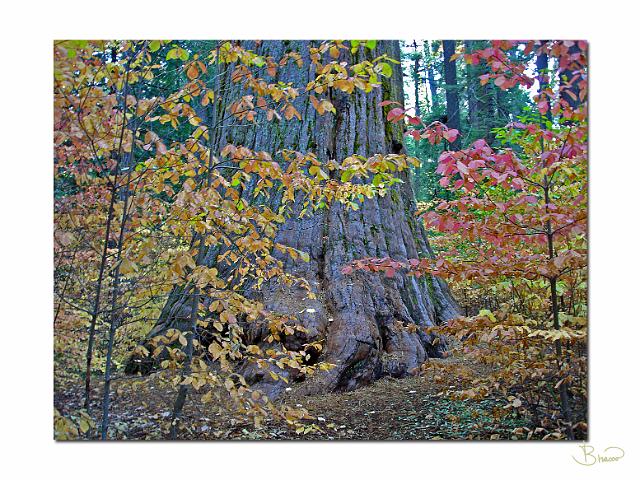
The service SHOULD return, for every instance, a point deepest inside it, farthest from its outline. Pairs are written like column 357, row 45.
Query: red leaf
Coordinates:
column 480, row 143
column 451, row 134
column 543, row 106
column 395, row 114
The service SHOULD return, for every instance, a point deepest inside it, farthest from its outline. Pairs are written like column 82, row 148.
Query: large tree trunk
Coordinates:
column 358, row 316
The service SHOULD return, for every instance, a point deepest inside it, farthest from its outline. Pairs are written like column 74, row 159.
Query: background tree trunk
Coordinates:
column 416, row 78
column 569, row 80
column 450, row 78
column 472, row 88
column 357, row 316
column 542, row 66
column 430, row 50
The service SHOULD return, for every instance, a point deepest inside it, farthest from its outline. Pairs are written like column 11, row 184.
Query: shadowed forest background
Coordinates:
column 320, row 239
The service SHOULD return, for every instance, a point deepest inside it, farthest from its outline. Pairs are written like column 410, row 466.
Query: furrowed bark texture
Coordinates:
column 357, row 316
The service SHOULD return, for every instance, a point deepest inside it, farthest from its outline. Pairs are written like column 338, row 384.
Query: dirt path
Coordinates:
column 403, row 409
column 412, row 408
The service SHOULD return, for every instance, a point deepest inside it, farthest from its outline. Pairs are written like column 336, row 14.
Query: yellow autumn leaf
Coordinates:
column 127, row 266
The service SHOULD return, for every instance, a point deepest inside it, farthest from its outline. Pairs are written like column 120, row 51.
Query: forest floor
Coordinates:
column 412, row 408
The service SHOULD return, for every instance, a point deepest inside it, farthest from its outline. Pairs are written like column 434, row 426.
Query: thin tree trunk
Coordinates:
column 64, row 287
column 195, row 303
column 555, row 310
column 431, row 76
column 416, row 78
column 542, row 66
column 450, row 78
column 96, row 302
column 472, row 91
column 103, row 258
column 186, row 370
column 487, row 102
column 114, row 316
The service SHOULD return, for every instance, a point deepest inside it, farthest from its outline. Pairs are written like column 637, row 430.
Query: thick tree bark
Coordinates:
column 450, row 78
column 357, row 316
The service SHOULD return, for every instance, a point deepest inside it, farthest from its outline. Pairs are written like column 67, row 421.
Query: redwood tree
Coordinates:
column 360, row 318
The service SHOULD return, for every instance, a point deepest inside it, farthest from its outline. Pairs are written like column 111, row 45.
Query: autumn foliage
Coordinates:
column 513, row 242
column 142, row 196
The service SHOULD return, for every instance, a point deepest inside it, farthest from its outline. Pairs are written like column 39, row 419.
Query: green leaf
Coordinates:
column 488, row 314
column 386, row 70
column 84, row 425
column 259, row 61
column 371, row 44
column 154, row 46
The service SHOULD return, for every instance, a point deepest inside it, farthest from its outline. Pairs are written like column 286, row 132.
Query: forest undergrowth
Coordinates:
column 419, row 407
